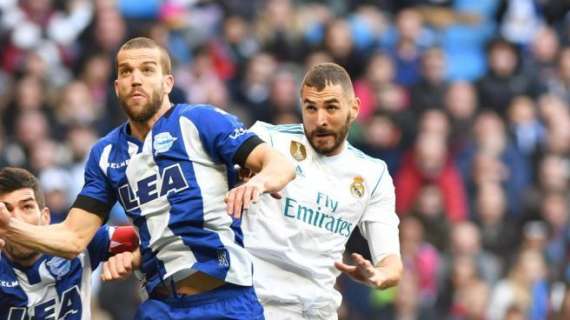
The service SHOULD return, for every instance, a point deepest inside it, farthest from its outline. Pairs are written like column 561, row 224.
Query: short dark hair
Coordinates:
column 328, row 73
column 147, row 43
column 12, row 179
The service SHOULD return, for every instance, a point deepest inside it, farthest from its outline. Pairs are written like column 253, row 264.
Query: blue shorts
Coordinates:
column 226, row 302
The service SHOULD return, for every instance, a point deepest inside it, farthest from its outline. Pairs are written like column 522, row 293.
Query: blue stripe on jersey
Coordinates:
column 172, row 186
column 10, row 292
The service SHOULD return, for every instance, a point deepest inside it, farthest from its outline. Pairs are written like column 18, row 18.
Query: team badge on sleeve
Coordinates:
column 357, row 187
column 298, row 151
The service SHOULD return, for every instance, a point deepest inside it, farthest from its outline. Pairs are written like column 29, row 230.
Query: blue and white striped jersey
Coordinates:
column 173, row 185
column 53, row 288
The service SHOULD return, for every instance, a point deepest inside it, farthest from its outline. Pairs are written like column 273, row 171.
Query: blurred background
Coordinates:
column 467, row 101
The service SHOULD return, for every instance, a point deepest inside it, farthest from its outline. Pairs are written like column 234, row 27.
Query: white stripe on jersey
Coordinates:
column 37, row 292
column 104, row 160
column 171, row 250
column 213, row 181
column 85, row 290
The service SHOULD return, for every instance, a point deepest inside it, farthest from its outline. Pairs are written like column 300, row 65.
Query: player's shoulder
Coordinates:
column 279, row 129
column 365, row 161
column 199, row 112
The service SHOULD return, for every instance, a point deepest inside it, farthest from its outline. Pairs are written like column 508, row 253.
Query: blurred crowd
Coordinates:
column 467, row 101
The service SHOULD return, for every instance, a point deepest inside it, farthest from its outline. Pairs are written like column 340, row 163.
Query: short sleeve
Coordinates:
column 221, row 133
column 261, row 129
column 382, row 204
column 98, row 248
column 97, row 195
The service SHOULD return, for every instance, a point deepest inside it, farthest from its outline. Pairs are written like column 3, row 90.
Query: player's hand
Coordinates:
column 243, row 196
column 363, row 271
column 120, row 266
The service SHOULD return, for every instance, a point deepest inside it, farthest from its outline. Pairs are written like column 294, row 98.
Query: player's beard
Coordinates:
column 20, row 254
column 145, row 112
column 338, row 135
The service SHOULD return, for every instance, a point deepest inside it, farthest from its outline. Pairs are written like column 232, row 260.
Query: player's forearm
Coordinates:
column 66, row 239
column 276, row 171
column 391, row 268
column 53, row 239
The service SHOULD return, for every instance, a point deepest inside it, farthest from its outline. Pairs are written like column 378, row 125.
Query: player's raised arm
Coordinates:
column 274, row 172
column 66, row 239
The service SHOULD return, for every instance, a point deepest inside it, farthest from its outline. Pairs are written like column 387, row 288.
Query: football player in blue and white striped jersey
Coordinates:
column 171, row 167
column 37, row 286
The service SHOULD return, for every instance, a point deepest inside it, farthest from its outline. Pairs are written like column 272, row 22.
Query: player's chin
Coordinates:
column 19, row 253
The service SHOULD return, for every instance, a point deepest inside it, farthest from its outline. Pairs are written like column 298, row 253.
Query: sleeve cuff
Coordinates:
column 93, row 205
column 245, row 149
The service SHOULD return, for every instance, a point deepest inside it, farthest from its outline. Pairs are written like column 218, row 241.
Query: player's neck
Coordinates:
column 139, row 130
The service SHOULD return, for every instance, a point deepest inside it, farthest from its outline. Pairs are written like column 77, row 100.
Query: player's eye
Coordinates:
column 125, row 72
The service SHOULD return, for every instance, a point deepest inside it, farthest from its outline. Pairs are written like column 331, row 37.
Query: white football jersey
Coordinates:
column 296, row 240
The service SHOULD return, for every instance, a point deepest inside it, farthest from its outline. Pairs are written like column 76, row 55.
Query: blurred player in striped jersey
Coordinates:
column 171, row 167
column 297, row 243
column 37, row 286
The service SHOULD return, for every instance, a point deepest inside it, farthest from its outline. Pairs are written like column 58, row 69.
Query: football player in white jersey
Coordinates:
column 297, row 242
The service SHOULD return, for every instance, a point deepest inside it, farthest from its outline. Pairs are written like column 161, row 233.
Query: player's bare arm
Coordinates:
column 385, row 274
column 66, row 239
column 274, row 172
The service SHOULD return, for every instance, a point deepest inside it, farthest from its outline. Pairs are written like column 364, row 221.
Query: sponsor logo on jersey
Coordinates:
column 298, row 151
column 357, row 187
column 64, row 307
column 58, row 267
column 152, row 187
column 163, row 142
column 8, row 283
column 319, row 215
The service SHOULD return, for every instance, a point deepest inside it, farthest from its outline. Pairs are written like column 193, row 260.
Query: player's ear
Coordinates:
column 354, row 108
column 168, row 83
column 45, row 216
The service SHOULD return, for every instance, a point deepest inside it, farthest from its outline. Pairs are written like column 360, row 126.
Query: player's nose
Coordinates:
column 322, row 118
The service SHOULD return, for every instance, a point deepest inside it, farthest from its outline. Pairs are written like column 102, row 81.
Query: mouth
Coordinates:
column 323, row 134
column 137, row 95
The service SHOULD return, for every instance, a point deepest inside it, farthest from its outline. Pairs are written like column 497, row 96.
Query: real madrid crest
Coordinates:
column 357, row 187
column 298, row 151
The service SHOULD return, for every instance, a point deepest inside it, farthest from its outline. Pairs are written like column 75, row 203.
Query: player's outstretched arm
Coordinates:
column 274, row 171
column 66, row 239
column 385, row 274
column 120, row 266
